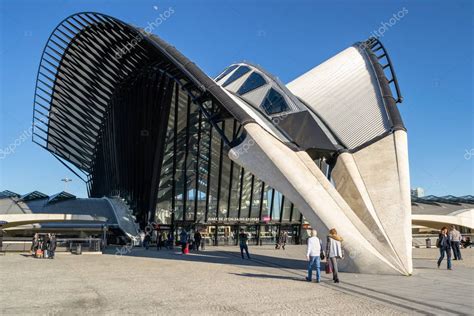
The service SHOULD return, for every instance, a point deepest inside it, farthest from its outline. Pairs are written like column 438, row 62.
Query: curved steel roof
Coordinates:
column 86, row 57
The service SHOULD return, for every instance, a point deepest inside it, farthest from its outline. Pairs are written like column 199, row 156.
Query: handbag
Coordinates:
column 328, row 267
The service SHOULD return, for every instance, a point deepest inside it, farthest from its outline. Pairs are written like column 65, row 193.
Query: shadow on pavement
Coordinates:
column 220, row 256
column 269, row 276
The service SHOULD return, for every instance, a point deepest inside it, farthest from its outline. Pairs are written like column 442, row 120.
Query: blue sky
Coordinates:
column 431, row 48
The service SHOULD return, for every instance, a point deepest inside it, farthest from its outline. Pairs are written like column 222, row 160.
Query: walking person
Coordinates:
column 183, row 239
column 243, row 242
column 170, row 240
column 334, row 252
column 159, row 240
column 313, row 255
column 444, row 245
column 284, row 239
column 456, row 238
column 45, row 246
column 197, row 239
column 34, row 244
column 146, row 241
column 52, row 246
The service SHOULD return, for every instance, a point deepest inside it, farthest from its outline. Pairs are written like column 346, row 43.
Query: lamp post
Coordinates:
column 66, row 180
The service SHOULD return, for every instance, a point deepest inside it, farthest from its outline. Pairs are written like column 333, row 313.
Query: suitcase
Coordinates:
column 186, row 249
column 39, row 253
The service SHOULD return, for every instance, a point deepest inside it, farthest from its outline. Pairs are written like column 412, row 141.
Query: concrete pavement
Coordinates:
column 218, row 281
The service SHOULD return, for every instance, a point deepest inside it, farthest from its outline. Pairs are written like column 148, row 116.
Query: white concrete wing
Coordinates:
column 375, row 183
column 344, row 91
column 295, row 175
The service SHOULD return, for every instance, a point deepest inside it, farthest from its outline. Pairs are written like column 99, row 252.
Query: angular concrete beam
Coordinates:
column 296, row 176
column 374, row 181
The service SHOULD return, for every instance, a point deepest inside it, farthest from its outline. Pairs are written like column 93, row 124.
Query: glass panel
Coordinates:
column 277, row 201
column 164, row 207
column 214, row 185
column 254, row 81
column 296, row 215
column 268, row 234
column 267, row 198
column 286, row 210
column 191, row 161
column 225, row 183
column 274, row 103
column 257, row 195
column 224, row 235
column 246, row 189
column 242, row 70
column 226, row 72
column 225, row 179
column 235, row 192
column 203, row 170
column 180, row 153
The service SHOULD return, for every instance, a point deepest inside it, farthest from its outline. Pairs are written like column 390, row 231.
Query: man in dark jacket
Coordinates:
column 444, row 244
column 52, row 246
column 147, row 241
column 197, row 239
column 243, row 238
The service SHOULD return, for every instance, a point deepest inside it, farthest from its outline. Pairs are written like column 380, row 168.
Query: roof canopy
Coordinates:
column 35, row 195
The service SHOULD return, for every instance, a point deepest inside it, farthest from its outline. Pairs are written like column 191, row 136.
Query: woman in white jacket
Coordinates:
column 334, row 252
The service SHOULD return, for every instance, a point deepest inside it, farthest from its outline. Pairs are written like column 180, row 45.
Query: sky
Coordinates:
column 431, row 48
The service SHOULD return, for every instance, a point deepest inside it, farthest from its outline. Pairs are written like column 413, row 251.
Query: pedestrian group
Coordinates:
column 448, row 241
column 315, row 253
column 43, row 246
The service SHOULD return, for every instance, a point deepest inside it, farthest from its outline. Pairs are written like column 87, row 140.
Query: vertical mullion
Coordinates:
column 231, row 175
column 198, row 154
column 262, row 191
column 271, row 204
column 209, row 166
column 242, row 174
column 175, row 145
column 186, row 154
column 291, row 212
column 251, row 196
column 282, row 207
column 219, row 180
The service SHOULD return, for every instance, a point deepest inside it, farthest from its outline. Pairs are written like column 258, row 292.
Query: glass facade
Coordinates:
column 274, row 103
column 242, row 70
column 201, row 188
column 225, row 72
column 253, row 82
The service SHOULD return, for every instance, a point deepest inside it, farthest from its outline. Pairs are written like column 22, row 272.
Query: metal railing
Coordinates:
column 20, row 244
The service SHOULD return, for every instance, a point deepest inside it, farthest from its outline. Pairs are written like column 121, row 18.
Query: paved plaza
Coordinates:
column 218, row 281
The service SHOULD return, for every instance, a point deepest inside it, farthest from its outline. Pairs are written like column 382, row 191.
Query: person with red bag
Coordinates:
column 333, row 252
column 183, row 238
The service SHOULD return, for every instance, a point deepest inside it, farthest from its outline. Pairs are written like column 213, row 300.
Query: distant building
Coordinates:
column 418, row 192
column 65, row 215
